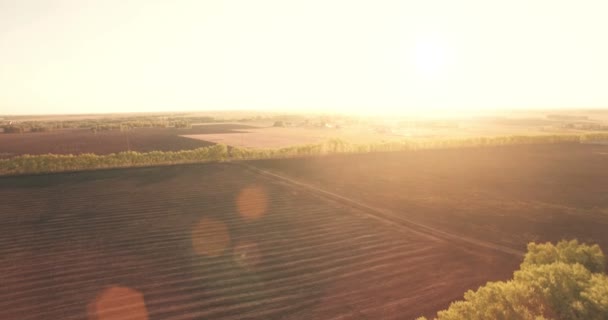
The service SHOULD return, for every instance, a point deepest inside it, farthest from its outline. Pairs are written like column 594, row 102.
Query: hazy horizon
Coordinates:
column 458, row 114
column 365, row 57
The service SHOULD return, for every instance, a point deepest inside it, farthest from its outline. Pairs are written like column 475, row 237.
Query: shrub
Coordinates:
column 563, row 281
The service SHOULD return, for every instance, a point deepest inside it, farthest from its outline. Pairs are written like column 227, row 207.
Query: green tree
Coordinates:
column 564, row 281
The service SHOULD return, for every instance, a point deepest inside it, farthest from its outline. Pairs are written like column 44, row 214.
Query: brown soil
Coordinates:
column 505, row 195
column 105, row 142
column 279, row 137
column 216, row 241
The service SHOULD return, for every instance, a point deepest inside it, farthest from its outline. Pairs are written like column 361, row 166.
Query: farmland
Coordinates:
column 216, row 241
column 330, row 230
column 106, row 134
column 375, row 130
column 379, row 235
column 259, row 137
column 331, row 160
column 78, row 141
column 508, row 195
column 272, row 137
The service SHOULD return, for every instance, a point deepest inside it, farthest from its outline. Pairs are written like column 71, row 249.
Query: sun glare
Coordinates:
column 429, row 57
column 327, row 56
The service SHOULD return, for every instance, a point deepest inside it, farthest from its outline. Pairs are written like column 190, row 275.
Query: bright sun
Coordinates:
column 429, row 57
column 316, row 55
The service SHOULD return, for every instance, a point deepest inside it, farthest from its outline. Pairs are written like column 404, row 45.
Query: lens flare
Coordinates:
column 210, row 237
column 252, row 202
column 118, row 303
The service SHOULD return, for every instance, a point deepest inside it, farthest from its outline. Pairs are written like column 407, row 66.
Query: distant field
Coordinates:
column 253, row 133
column 277, row 137
column 79, row 141
column 507, row 195
column 216, row 241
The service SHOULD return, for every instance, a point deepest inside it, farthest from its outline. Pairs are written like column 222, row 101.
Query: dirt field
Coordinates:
column 105, row 142
column 276, row 137
column 503, row 195
column 217, row 241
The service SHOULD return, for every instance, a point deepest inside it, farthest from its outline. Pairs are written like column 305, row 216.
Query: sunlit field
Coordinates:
column 368, row 224
column 318, row 159
column 217, row 241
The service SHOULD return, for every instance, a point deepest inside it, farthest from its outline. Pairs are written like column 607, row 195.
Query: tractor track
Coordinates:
column 387, row 216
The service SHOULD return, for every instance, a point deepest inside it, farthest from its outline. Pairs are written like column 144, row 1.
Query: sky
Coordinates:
column 376, row 56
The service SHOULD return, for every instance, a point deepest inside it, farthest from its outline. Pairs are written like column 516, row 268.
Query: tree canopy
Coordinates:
column 561, row 282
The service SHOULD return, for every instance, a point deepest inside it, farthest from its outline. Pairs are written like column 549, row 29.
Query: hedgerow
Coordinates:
column 28, row 164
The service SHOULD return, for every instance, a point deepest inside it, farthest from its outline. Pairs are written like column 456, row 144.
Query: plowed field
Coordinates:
column 508, row 196
column 79, row 141
column 217, row 241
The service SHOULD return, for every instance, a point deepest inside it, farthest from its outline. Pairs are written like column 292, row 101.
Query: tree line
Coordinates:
column 102, row 124
column 29, row 164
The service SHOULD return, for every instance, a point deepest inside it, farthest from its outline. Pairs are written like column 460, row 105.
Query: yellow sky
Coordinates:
column 85, row 56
